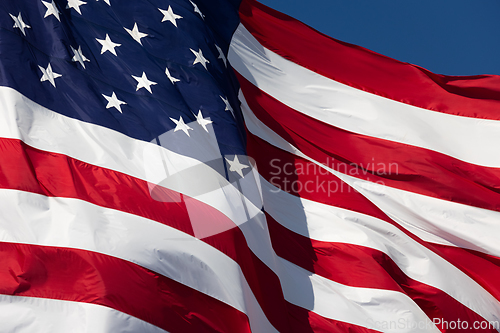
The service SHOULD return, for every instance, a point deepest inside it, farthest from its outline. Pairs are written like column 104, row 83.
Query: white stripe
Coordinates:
column 63, row 222
column 469, row 139
column 41, row 315
column 432, row 270
column 435, row 220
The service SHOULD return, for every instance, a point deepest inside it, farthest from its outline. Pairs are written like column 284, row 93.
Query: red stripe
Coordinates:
column 473, row 96
column 393, row 164
column 82, row 276
column 482, row 268
column 364, row 267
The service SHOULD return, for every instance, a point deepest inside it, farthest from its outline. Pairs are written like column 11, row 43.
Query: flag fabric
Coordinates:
column 217, row 166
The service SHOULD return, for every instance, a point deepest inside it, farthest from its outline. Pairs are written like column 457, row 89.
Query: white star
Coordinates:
column 106, row 1
column 181, row 126
column 51, row 9
column 19, row 23
column 228, row 105
column 113, row 102
column 202, row 121
column 108, row 45
column 76, row 5
column 169, row 15
column 143, row 82
column 136, row 34
column 78, row 56
column 236, row 166
column 200, row 58
column 196, row 9
column 170, row 77
column 221, row 55
column 49, row 75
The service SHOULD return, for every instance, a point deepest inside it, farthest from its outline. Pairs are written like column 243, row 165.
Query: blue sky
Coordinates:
column 453, row 37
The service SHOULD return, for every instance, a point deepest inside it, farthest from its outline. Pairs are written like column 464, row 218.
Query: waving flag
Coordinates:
column 143, row 191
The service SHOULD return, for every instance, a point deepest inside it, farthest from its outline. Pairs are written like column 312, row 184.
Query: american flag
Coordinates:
column 216, row 166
